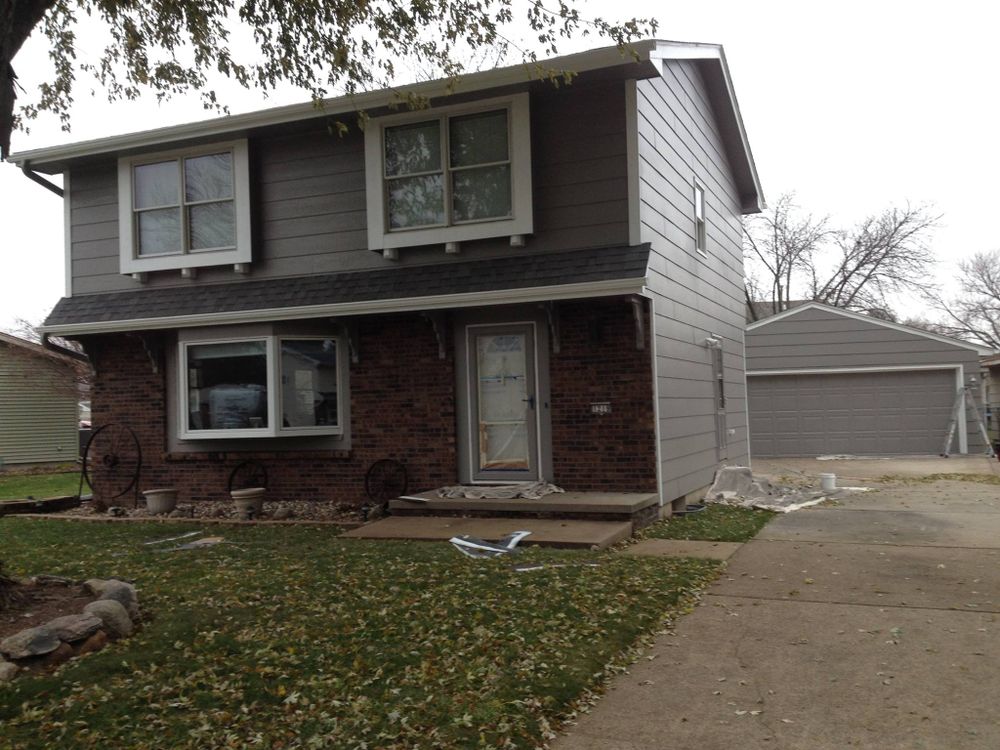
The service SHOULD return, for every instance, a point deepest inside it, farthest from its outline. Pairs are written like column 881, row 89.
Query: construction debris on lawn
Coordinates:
column 736, row 485
column 471, row 546
column 526, row 490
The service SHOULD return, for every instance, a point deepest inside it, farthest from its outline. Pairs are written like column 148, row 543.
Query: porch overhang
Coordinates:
column 596, row 272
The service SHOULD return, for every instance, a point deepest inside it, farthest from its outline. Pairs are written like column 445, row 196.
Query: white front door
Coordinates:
column 503, row 403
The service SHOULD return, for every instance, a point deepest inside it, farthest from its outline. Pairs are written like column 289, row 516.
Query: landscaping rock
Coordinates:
column 95, row 643
column 7, row 671
column 281, row 513
column 72, row 628
column 61, row 655
column 119, row 591
column 31, row 642
column 113, row 615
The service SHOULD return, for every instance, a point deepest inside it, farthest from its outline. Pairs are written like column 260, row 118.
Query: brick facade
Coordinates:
column 599, row 362
column 403, row 406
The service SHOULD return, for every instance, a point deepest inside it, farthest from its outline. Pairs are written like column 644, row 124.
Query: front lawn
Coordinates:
column 292, row 638
column 717, row 523
column 19, row 486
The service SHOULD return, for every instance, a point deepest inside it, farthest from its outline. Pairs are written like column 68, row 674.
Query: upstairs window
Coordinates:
column 461, row 174
column 700, row 237
column 184, row 209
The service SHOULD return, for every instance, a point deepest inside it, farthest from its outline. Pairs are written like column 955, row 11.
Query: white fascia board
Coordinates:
column 604, row 57
column 703, row 51
column 867, row 319
column 851, row 370
column 607, row 288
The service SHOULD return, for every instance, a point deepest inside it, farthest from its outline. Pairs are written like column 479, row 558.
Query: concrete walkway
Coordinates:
column 873, row 624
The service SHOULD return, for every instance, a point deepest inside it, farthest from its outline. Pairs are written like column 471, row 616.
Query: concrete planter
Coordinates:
column 160, row 502
column 249, row 502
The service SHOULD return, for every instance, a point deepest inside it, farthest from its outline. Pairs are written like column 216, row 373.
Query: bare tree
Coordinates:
column 782, row 243
column 882, row 255
column 974, row 314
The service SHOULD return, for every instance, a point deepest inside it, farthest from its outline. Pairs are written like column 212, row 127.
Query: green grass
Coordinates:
column 717, row 523
column 19, row 486
column 292, row 638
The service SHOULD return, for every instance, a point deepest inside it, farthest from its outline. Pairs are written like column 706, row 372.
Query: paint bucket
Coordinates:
column 160, row 502
column 828, row 482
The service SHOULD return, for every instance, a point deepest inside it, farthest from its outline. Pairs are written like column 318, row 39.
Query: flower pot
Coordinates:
column 249, row 502
column 160, row 502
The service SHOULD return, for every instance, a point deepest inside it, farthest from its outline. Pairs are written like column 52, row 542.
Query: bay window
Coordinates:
column 460, row 173
column 268, row 386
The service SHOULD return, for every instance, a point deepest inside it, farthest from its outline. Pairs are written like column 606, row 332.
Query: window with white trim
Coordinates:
column 265, row 386
column 700, row 235
column 449, row 174
column 719, row 381
column 184, row 209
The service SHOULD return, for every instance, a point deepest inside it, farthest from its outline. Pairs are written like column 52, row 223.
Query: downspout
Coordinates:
column 35, row 177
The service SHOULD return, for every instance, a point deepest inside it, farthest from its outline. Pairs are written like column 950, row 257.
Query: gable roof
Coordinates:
column 784, row 314
column 640, row 60
column 38, row 350
column 527, row 278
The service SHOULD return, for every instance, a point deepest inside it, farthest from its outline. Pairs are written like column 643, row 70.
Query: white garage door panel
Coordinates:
column 878, row 413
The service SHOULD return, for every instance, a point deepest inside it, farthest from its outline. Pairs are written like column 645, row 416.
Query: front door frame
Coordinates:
column 468, row 434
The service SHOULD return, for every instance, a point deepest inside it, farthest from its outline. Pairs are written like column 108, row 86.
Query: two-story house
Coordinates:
column 521, row 281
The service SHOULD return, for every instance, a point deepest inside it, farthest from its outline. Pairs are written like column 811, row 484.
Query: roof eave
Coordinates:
column 52, row 160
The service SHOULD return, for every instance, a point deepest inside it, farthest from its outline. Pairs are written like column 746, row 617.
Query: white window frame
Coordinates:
column 700, row 219
column 521, row 220
column 132, row 262
column 272, row 351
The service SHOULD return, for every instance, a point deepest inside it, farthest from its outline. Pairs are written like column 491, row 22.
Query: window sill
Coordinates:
column 457, row 233
column 189, row 260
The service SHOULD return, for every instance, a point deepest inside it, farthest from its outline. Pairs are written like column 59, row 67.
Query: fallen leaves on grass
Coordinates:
column 301, row 640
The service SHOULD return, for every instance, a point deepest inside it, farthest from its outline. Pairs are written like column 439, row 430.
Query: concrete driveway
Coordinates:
column 873, row 624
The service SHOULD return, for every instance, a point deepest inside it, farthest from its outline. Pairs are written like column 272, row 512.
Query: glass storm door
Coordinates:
column 503, row 403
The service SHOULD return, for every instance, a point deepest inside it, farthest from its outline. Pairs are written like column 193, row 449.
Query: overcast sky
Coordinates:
column 855, row 107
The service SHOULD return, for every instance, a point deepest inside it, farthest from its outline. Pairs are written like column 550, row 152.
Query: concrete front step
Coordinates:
column 546, row 532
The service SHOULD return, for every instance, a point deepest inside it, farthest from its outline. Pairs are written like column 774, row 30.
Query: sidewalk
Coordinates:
column 869, row 625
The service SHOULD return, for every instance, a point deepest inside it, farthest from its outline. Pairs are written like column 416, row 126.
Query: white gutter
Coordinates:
column 606, row 288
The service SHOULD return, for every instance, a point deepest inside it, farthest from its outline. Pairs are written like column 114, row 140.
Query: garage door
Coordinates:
column 884, row 413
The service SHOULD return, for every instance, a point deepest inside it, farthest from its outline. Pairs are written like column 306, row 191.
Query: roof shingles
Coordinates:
column 496, row 274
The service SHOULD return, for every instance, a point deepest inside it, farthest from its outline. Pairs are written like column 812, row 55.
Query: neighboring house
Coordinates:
column 521, row 281
column 39, row 397
column 823, row 380
column 991, row 394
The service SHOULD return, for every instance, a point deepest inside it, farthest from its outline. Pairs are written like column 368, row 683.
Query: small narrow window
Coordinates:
column 700, row 242
column 719, row 380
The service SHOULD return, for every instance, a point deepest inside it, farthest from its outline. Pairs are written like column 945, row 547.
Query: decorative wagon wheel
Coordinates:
column 386, row 479
column 247, row 475
column 112, row 461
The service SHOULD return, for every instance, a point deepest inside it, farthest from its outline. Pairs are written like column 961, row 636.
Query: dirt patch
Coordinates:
column 40, row 604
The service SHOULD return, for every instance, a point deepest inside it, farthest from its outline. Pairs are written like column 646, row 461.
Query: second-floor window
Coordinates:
column 460, row 173
column 184, row 209
column 700, row 235
column 448, row 170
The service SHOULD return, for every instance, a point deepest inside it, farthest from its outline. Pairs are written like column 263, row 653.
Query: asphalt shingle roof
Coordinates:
column 462, row 277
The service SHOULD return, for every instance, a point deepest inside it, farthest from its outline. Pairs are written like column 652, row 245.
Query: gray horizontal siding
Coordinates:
column 309, row 207
column 695, row 297
column 38, row 409
column 814, row 339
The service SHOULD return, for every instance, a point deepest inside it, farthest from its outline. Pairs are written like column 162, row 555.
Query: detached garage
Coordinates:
column 822, row 380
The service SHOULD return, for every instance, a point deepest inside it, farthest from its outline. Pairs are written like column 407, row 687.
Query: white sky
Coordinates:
column 854, row 105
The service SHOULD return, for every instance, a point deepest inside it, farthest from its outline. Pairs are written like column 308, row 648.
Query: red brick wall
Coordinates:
column 598, row 361
column 403, row 407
